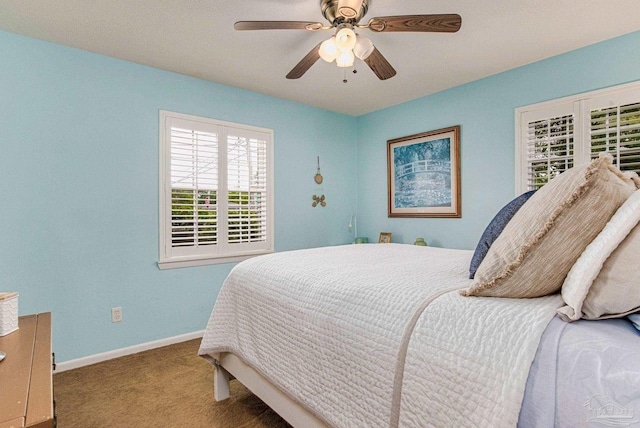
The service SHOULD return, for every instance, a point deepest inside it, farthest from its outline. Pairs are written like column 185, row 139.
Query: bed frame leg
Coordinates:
column 220, row 383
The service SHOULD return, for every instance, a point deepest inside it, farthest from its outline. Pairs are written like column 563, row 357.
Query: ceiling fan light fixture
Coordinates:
column 328, row 50
column 344, row 18
column 345, row 59
column 345, row 39
column 363, row 48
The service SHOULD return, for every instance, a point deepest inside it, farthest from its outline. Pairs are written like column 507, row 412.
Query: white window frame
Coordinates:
column 222, row 252
column 580, row 106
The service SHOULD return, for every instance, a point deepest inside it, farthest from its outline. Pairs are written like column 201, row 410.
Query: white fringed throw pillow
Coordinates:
column 605, row 281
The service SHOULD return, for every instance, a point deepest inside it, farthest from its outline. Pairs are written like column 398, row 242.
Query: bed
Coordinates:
column 393, row 335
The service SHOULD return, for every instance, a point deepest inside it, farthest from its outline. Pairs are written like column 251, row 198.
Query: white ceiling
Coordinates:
column 196, row 38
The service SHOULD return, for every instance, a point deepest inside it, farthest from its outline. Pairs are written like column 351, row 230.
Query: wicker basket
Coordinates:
column 8, row 313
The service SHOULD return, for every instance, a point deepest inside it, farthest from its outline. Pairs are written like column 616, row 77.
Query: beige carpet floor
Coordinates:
column 165, row 387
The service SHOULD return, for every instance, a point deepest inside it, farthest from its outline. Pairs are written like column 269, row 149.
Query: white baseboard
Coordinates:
column 98, row 358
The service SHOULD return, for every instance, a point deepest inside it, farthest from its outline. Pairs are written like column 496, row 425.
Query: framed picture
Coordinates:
column 423, row 172
column 385, row 238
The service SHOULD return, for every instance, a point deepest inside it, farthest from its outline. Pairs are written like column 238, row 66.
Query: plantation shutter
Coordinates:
column 246, row 187
column 555, row 135
column 549, row 149
column 616, row 129
column 194, row 187
column 216, row 191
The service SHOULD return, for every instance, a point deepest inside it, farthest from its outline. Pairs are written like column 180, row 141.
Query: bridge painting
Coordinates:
column 422, row 174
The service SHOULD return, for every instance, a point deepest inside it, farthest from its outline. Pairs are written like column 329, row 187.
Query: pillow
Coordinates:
column 494, row 228
column 635, row 319
column 605, row 281
column 537, row 248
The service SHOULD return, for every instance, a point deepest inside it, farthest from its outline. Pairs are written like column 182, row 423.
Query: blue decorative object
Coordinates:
column 494, row 229
column 635, row 319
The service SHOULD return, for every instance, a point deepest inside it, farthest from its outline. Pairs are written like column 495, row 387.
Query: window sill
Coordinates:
column 182, row 263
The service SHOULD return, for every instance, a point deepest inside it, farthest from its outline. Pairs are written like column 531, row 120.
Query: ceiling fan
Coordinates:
column 344, row 16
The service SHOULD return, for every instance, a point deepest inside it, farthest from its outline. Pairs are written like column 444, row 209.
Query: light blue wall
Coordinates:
column 485, row 111
column 79, row 177
column 79, row 189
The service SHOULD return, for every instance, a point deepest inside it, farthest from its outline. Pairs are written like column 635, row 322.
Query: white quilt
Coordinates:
column 326, row 326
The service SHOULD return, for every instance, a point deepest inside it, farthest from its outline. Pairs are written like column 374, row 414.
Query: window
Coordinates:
column 216, row 191
column 553, row 136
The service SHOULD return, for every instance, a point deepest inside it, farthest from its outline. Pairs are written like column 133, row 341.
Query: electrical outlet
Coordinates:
column 116, row 314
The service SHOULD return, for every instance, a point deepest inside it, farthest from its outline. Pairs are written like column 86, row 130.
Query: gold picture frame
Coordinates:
column 423, row 174
column 385, row 238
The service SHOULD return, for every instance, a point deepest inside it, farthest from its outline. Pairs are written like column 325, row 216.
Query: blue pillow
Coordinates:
column 495, row 228
column 635, row 319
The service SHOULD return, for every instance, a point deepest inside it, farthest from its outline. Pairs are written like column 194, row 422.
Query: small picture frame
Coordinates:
column 385, row 238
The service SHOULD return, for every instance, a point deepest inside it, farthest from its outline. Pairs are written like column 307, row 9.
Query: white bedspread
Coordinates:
column 326, row 326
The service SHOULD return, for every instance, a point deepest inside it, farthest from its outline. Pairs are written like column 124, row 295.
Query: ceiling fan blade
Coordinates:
column 446, row 23
column 305, row 63
column 349, row 9
column 379, row 65
column 277, row 25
